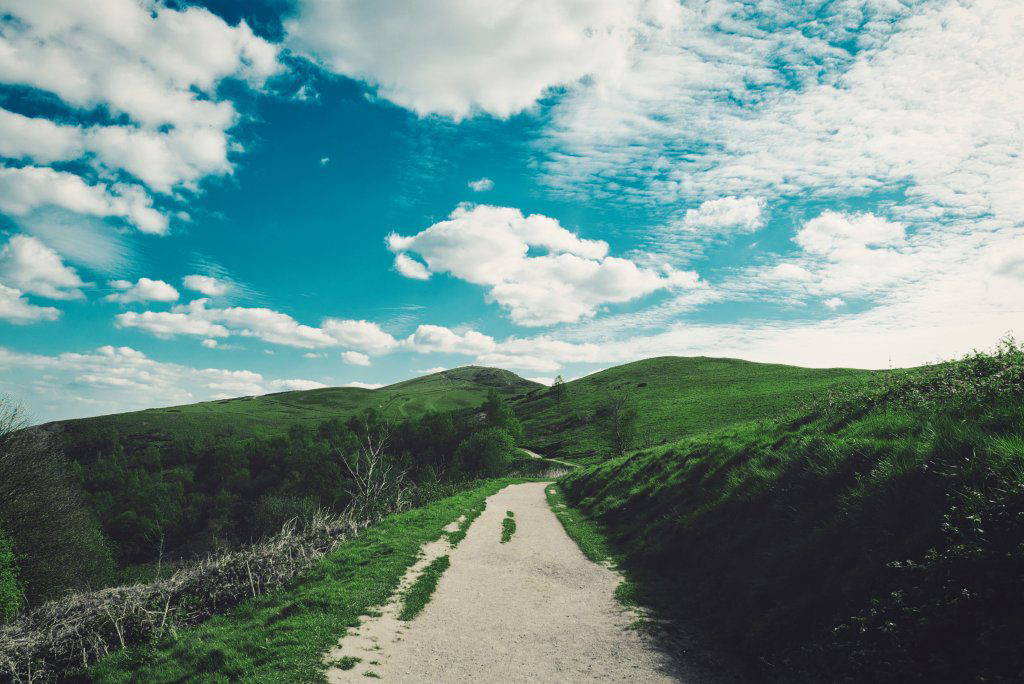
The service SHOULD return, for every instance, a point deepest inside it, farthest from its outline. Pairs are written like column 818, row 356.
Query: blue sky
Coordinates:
column 225, row 198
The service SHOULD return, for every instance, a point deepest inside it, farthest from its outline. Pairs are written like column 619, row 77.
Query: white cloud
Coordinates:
column 16, row 309
column 363, row 385
column 355, row 358
column 361, row 335
column 85, row 240
column 544, row 380
column 436, row 338
column 169, row 323
column 481, row 185
column 211, row 343
column 834, row 302
column 490, row 246
column 143, row 290
column 460, row 57
column 431, row 371
column 324, row 161
column 30, row 187
column 293, row 385
column 113, row 379
column 275, row 327
column 29, row 265
column 150, row 62
column 726, row 214
column 843, row 236
column 155, row 69
column 207, row 285
column 410, row 268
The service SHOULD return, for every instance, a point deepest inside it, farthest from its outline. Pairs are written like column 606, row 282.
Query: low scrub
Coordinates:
column 878, row 537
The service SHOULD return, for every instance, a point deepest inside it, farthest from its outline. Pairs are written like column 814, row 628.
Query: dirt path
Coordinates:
column 534, row 454
column 532, row 610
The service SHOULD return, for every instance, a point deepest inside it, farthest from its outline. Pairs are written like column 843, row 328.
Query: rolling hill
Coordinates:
column 675, row 397
column 274, row 414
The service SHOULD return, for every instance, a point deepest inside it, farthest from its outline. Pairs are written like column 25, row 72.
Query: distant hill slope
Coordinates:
column 675, row 397
column 273, row 414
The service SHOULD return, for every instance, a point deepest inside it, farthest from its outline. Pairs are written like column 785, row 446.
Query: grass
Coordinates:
column 587, row 535
column 418, row 595
column 282, row 637
column 346, row 662
column 675, row 397
column 274, row 414
column 508, row 527
column 857, row 541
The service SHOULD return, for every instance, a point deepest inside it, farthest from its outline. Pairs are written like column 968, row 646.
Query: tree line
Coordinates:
column 94, row 507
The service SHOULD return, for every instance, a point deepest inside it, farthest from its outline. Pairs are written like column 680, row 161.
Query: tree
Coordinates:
column 43, row 511
column 500, row 415
column 616, row 420
column 558, row 389
column 485, row 453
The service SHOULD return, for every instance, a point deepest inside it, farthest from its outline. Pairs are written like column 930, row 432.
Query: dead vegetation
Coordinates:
column 77, row 630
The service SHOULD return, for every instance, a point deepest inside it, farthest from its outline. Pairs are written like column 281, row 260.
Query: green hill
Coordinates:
column 674, row 397
column 854, row 542
column 274, row 414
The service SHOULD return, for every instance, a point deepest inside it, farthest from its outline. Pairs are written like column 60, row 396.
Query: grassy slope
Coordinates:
column 893, row 516
column 272, row 414
column 676, row 397
column 281, row 637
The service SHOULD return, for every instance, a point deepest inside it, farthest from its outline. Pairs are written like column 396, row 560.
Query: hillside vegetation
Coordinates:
column 673, row 397
column 877, row 537
column 140, row 493
column 273, row 415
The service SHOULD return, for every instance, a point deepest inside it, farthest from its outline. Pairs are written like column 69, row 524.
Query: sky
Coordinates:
column 225, row 198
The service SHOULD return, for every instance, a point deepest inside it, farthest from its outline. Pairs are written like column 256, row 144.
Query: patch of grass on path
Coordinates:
column 281, row 637
column 508, row 527
column 418, row 595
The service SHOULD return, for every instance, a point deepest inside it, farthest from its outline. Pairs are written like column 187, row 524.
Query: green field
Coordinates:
column 274, row 414
column 675, row 397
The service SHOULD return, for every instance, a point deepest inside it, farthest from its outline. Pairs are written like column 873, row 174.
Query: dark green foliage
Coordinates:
column 878, row 537
column 10, row 587
column 508, row 527
column 488, row 451
column 54, row 535
column 616, row 421
column 674, row 397
column 499, row 414
column 161, row 505
column 418, row 595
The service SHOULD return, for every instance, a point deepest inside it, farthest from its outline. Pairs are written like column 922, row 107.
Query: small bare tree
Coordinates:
column 376, row 481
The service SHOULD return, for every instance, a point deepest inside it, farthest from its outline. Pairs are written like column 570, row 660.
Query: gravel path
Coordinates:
column 532, row 610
